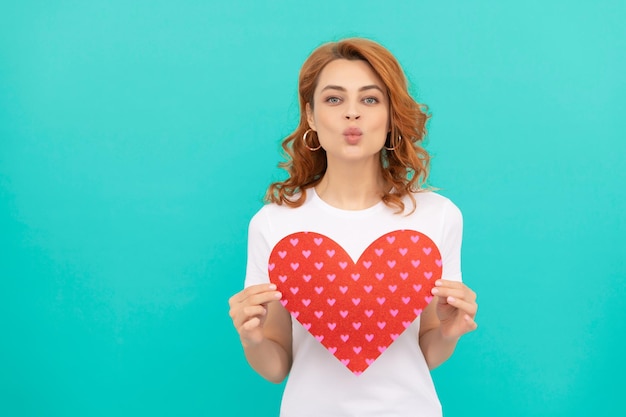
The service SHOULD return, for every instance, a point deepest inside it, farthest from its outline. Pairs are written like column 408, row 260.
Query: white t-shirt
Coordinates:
column 398, row 383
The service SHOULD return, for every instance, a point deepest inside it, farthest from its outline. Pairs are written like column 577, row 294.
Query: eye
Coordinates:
column 333, row 100
column 370, row 100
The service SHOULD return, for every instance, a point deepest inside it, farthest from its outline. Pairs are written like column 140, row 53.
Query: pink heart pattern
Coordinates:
column 355, row 310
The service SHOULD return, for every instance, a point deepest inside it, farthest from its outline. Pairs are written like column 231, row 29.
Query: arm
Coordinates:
column 272, row 357
column 452, row 311
column 264, row 328
column 449, row 316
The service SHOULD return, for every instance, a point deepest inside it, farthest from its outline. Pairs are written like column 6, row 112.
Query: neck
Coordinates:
column 352, row 186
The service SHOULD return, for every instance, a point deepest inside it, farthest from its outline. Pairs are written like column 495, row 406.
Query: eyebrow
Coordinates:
column 364, row 88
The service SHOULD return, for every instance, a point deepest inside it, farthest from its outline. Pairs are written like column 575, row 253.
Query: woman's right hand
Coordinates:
column 248, row 310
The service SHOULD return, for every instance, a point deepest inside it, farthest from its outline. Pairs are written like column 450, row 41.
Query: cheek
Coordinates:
column 322, row 119
column 384, row 121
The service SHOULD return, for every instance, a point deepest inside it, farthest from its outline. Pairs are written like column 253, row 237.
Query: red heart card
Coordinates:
column 356, row 310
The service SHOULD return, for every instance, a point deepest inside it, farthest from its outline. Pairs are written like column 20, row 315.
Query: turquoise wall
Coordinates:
column 137, row 139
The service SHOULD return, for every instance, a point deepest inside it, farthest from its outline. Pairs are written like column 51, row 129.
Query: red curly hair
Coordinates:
column 404, row 169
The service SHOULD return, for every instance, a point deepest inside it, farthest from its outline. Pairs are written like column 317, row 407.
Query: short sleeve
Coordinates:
column 452, row 237
column 258, row 250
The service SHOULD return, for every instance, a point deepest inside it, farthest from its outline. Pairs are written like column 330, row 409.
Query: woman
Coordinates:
column 356, row 171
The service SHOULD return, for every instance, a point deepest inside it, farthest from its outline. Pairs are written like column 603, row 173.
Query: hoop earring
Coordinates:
column 393, row 148
column 304, row 137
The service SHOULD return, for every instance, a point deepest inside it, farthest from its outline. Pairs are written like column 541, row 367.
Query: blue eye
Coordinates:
column 333, row 100
column 370, row 100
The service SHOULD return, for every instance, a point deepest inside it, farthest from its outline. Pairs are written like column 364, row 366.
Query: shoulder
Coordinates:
column 271, row 213
column 264, row 214
column 427, row 199
column 274, row 209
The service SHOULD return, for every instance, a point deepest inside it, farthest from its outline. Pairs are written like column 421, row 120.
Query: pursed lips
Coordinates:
column 352, row 135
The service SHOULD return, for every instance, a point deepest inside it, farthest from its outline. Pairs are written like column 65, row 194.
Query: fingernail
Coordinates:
column 451, row 299
column 435, row 291
column 272, row 287
column 438, row 283
column 278, row 295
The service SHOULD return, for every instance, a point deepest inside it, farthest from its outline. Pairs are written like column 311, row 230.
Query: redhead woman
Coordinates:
column 357, row 173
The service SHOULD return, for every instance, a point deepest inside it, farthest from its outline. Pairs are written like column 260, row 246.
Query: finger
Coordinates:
column 467, row 307
column 251, row 324
column 459, row 289
column 254, row 311
column 263, row 298
column 471, row 324
column 251, row 291
column 246, row 313
column 446, row 283
column 255, row 305
column 459, row 293
column 449, row 283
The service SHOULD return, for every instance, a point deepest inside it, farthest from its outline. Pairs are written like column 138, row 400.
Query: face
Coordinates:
column 350, row 111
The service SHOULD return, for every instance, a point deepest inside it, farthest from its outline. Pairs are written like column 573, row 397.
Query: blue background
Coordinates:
column 137, row 139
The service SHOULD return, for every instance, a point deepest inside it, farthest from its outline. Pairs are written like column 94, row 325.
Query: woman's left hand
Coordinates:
column 456, row 308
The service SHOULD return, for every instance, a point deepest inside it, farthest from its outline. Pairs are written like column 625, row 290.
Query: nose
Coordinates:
column 352, row 113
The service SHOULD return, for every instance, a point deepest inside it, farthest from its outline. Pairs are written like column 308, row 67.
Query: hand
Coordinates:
column 456, row 308
column 248, row 310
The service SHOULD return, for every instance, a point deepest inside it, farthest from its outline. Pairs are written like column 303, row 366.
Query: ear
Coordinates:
column 309, row 116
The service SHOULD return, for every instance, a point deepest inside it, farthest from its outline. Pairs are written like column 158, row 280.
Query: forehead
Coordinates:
column 349, row 74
